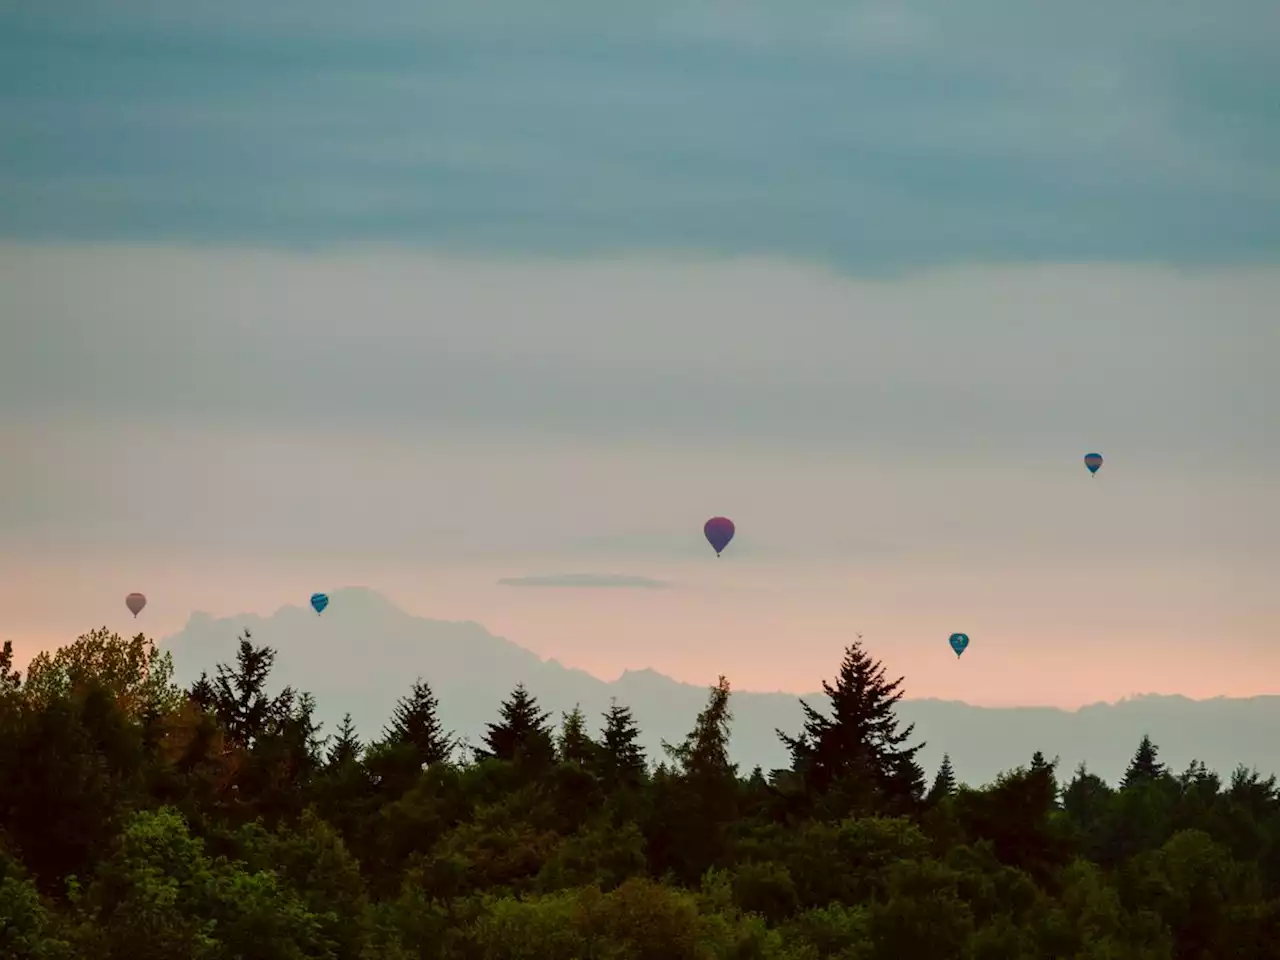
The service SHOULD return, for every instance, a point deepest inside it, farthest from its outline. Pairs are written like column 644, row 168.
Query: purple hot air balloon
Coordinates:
column 719, row 531
column 135, row 602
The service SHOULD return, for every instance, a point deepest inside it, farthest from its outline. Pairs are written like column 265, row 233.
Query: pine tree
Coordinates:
column 1144, row 767
column 522, row 733
column 1039, row 765
column 416, row 723
column 944, row 784
column 346, row 747
column 574, row 744
column 860, row 740
column 301, row 733
column 1087, row 796
column 694, row 806
column 239, row 693
column 621, row 760
column 203, row 695
column 10, row 679
column 705, row 751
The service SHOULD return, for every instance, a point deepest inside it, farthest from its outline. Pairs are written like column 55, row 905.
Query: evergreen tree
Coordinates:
column 1251, row 793
column 944, row 784
column 346, row 746
column 203, row 695
column 1087, row 796
column 860, row 741
column 10, row 679
column 521, row 733
column 239, row 694
column 621, row 760
column 693, row 806
column 1016, row 815
column 1144, row 767
column 1039, row 765
column 574, row 744
column 704, row 754
column 416, row 723
column 301, row 745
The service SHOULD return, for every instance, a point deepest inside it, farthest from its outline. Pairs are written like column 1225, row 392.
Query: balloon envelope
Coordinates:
column 719, row 531
column 319, row 601
column 135, row 602
column 1093, row 461
column 958, row 642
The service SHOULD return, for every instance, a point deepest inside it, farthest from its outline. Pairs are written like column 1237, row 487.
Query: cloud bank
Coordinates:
column 867, row 135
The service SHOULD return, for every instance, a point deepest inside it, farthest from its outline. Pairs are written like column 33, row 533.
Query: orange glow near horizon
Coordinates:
column 751, row 624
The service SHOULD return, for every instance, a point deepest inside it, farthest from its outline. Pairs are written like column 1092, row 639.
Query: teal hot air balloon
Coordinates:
column 1093, row 461
column 959, row 642
column 318, row 602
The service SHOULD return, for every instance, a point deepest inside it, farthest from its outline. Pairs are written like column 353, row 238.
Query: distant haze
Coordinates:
column 491, row 306
column 363, row 654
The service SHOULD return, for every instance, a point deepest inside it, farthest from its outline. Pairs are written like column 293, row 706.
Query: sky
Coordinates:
column 489, row 307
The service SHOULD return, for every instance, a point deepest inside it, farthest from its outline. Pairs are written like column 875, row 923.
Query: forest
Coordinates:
column 143, row 821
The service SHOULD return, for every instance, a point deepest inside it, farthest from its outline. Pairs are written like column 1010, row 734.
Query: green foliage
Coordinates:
column 29, row 930
column 139, row 823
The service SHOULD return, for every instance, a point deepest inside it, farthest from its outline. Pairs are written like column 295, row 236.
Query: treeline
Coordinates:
column 141, row 821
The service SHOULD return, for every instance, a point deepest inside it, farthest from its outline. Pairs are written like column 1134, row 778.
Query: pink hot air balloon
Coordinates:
column 719, row 531
column 135, row 602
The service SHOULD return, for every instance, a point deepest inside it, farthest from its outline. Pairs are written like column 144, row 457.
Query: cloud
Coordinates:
column 852, row 134
column 704, row 355
column 592, row 580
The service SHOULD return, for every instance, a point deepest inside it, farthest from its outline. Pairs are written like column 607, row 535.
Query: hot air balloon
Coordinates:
column 318, row 602
column 959, row 641
column 135, row 602
column 1093, row 461
column 719, row 531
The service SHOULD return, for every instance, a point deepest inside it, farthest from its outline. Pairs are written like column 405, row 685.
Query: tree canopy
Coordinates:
column 139, row 821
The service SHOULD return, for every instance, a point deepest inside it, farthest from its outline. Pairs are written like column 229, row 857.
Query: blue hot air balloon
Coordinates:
column 1093, row 461
column 719, row 531
column 318, row 602
column 959, row 641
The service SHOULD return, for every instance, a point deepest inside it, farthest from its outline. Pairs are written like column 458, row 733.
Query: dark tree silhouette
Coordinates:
column 621, row 760
column 574, row 745
column 10, row 679
column 416, row 723
column 860, row 740
column 346, row 747
column 203, row 695
column 698, row 798
column 239, row 694
column 944, row 783
column 704, row 753
column 1049, row 768
column 1016, row 815
column 521, row 733
column 1144, row 767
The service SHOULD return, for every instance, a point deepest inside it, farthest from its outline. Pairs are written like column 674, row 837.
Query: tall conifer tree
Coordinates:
column 415, row 722
column 1145, row 765
column 944, row 783
column 574, row 745
column 521, row 732
column 859, row 743
column 621, row 760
